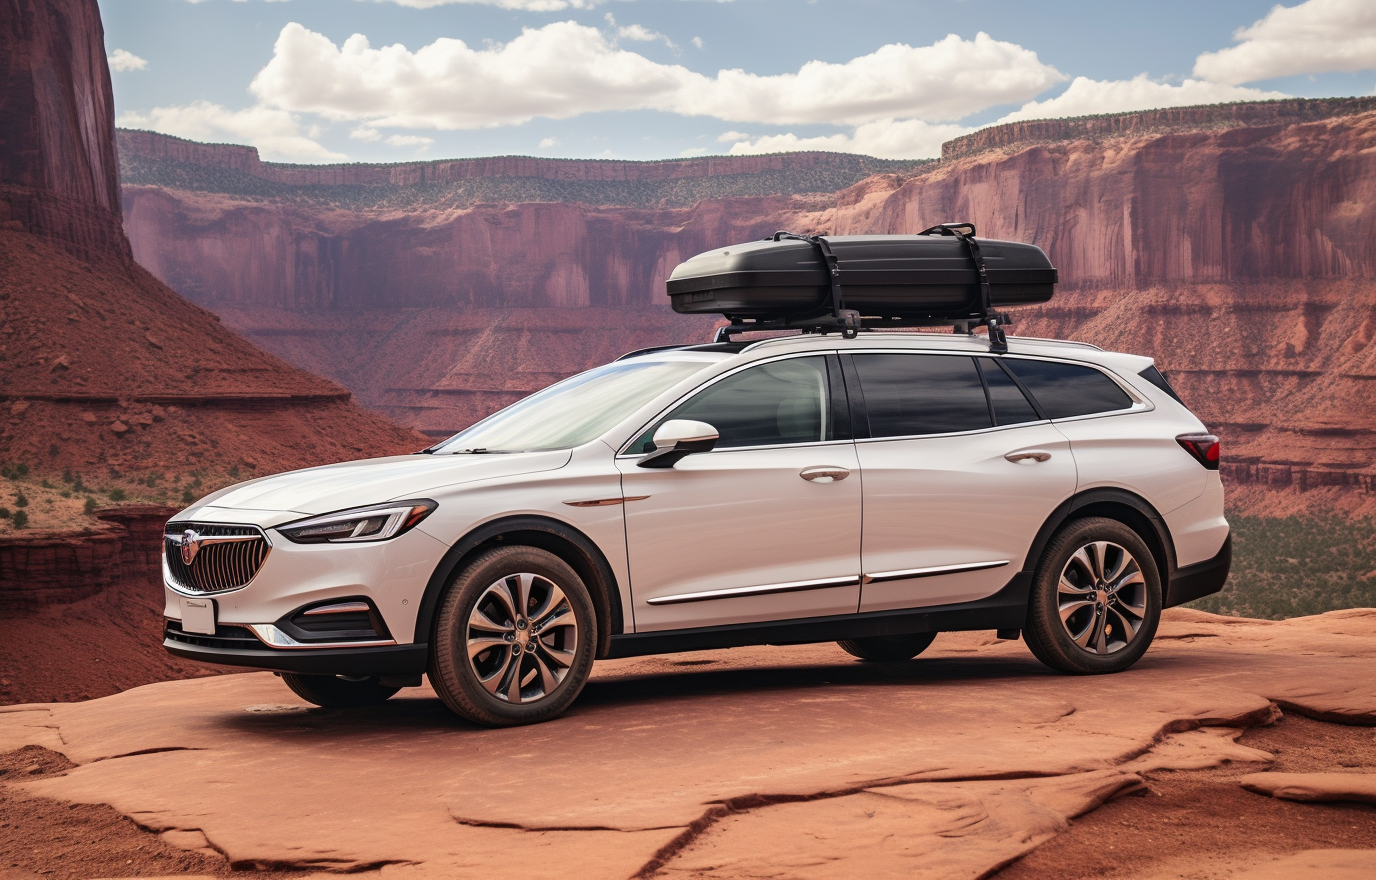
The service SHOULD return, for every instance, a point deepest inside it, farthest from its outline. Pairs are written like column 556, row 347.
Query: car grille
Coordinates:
column 216, row 567
column 226, row 636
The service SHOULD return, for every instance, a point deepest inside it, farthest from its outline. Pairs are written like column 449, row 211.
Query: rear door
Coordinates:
column 764, row 527
column 960, row 471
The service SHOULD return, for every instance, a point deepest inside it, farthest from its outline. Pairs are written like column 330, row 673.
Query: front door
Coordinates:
column 960, row 472
column 764, row 527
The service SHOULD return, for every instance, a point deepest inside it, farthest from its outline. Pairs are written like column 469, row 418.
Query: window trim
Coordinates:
column 625, row 450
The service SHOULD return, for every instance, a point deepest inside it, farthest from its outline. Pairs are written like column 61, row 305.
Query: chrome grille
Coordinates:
column 216, row 567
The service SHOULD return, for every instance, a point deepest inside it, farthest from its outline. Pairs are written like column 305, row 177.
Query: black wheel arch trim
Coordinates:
column 1082, row 504
column 593, row 567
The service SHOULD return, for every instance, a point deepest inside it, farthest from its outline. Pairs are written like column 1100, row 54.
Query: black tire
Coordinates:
column 1113, row 612
column 888, row 648
column 537, row 663
column 333, row 692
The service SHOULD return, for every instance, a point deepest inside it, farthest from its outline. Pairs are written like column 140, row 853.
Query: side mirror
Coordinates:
column 678, row 438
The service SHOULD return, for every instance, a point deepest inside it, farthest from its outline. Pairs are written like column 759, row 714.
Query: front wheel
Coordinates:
column 334, row 692
column 514, row 638
column 1096, row 599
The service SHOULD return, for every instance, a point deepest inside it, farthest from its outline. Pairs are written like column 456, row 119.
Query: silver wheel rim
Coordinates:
column 1102, row 598
column 522, row 638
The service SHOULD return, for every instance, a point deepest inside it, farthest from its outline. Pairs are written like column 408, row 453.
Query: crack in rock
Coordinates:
column 153, row 751
column 516, row 826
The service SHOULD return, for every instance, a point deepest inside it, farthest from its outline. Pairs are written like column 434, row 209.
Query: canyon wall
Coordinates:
column 1236, row 244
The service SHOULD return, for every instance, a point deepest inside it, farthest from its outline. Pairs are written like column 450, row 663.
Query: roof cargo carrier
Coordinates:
column 942, row 276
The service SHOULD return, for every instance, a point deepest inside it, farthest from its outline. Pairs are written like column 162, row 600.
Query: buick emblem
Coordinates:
column 191, row 545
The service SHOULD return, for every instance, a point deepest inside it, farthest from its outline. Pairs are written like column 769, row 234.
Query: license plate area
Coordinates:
column 198, row 616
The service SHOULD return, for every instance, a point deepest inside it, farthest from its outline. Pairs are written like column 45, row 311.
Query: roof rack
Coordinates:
column 850, row 322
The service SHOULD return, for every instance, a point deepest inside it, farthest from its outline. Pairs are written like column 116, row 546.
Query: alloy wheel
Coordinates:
column 1102, row 597
column 522, row 638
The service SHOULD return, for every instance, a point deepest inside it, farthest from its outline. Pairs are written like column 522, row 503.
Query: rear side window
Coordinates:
column 1067, row 390
column 908, row 394
column 1011, row 406
column 1158, row 378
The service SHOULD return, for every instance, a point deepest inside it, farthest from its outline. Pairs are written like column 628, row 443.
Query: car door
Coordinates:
column 960, row 471
column 764, row 527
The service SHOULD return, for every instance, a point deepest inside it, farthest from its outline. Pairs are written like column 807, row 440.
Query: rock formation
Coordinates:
column 103, row 368
column 1235, row 243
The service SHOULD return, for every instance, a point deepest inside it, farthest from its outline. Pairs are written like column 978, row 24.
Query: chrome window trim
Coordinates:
column 273, row 637
column 624, row 450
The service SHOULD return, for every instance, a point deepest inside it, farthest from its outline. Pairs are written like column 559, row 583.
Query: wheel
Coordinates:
column 334, row 692
column 1096, row 599
column 515, row 637
column 904, row 647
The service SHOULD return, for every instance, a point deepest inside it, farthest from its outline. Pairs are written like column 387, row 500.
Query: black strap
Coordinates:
column 850, row 320
column 998, row 341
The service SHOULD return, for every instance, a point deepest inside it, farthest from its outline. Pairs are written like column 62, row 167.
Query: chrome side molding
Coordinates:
column 762, row 590
column 880, row 576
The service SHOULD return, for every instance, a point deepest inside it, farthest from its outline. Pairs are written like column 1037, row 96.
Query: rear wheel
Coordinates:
column 515, row 638
column 888, row 648
column 335, row 692
column 1096, row 599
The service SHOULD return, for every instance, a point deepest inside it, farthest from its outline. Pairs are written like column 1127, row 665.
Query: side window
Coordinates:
column 766, row 405
column 908, row 394
column 1010, row 404
column 1066, row 390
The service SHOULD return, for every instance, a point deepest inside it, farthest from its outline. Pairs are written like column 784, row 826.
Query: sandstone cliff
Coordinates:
column 1236, row 244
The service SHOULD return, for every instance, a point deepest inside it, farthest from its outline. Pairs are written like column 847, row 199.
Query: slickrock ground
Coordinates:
column 763, row 762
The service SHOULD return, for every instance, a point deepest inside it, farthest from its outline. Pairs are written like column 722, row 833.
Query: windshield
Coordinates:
column 574, row 411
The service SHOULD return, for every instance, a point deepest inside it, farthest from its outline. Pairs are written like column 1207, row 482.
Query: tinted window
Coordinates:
column 1158, row 378
column 780, row 402
column 907, row 394
column 1065, row 390
column 1010, row 404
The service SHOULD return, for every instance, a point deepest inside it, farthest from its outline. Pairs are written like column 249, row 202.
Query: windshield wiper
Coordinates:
column 483, row 450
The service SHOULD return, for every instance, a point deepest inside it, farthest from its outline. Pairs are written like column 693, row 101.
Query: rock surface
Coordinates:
column 1314, row 787
column 746, row 763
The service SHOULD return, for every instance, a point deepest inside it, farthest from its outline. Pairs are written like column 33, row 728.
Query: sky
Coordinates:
column 311, row 81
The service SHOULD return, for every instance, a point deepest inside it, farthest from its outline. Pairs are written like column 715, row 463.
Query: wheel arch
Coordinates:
column 1129, row 508
column 563, row 540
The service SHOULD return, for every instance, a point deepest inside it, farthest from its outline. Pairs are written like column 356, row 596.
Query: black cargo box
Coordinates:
column 881, row 276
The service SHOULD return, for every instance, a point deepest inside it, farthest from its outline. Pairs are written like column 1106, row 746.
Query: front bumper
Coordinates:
column 235, row 646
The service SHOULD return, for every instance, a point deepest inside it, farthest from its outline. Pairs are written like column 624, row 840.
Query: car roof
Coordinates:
column 1027, row 345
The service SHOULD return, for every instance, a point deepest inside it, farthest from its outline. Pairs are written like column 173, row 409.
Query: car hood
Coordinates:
column 357, row 483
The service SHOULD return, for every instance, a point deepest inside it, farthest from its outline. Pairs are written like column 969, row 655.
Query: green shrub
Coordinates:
column 21, row 520
column 67, row 475
column 20, row 499
column 4, row 513
column 90, row 506
column 54, row 450
column 117, row 495
column 187, row 497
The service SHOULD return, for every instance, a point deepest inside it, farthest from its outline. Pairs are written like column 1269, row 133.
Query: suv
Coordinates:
column 875, row 491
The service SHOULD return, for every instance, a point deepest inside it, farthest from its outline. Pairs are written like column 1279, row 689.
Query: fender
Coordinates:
column 1081, row 504
column 606, row 594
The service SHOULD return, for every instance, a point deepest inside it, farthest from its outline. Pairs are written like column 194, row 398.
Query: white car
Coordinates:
column 874, row 491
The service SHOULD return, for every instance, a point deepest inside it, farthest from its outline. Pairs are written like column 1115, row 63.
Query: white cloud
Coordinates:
column 1087, row 97
column 885, row 138
column 727, row 137
column 565, row 69
column 697, row 42
column 410, row 140
column 547, row 143
column 1319, row 36
column 124, row 61
column 640, row 34
column 363, row 133
column 276, row 133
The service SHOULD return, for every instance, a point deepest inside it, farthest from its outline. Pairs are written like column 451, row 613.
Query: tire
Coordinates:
column 888, row 648
column 1101, row 575
column 333, row 692
column 515, row 637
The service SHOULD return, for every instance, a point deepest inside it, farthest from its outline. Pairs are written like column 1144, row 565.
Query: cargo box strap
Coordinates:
column 998, row 341
column 849, row 319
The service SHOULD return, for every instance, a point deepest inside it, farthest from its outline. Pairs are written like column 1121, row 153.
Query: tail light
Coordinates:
column 1204, row 447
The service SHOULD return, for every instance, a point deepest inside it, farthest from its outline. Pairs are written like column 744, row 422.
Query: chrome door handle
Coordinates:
column 824, row 474
column 1033, row 455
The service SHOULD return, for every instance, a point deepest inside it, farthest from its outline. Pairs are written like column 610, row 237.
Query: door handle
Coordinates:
column 824, row 474
column 1030, row 455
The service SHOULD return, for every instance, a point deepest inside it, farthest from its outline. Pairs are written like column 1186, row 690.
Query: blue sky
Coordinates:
column 396, row 80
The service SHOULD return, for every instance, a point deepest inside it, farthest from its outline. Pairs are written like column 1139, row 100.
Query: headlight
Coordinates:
column 376, row 523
